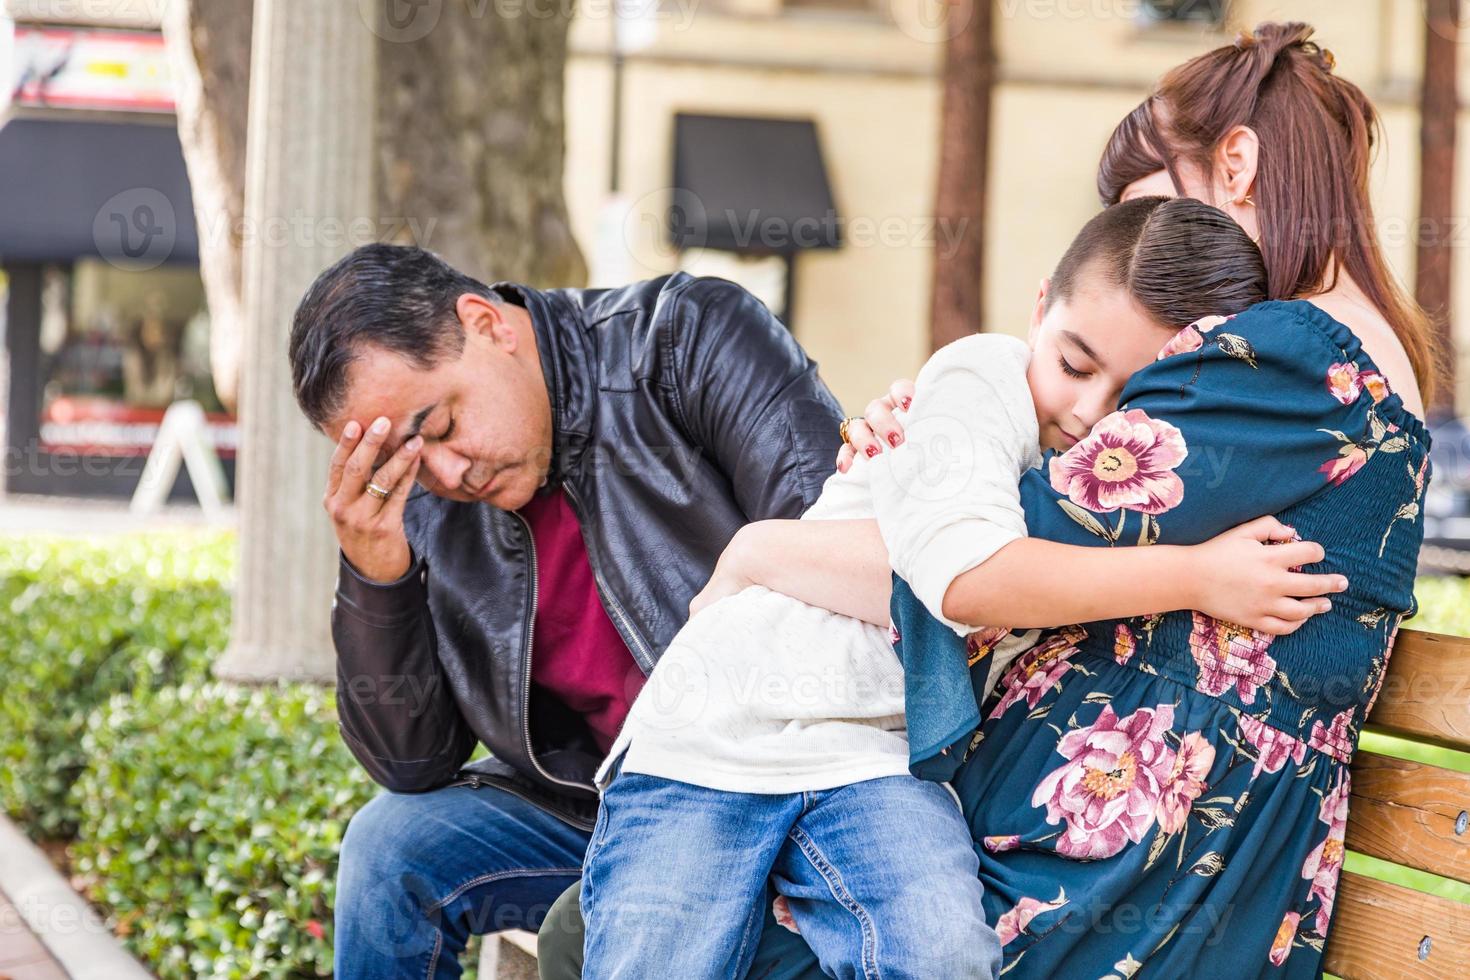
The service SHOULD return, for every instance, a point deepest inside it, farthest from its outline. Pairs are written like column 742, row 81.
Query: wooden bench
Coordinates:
column 1411, row 814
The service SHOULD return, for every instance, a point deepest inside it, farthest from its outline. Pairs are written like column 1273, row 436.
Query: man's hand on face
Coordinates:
column 369, row 526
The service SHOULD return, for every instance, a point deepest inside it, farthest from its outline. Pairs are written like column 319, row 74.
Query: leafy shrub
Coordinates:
column 210, row 821
column 1444, row 605
column 81, row 620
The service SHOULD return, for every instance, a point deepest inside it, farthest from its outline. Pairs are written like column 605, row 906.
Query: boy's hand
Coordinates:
column 1248, row 576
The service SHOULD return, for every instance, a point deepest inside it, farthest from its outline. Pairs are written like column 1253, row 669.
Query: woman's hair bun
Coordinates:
column 1269, row 41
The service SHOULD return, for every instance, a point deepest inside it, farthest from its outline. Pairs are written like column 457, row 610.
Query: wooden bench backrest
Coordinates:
column 1411, row 814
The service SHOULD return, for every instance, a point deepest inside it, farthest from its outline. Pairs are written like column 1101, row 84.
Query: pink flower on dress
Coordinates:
column 1376, row 384
column 982, row 642
column 1345, row 465
column 1336, row 739
column 1273, row 746
column 1187, row 781
column 1285, row 936
column 1185, row 341
column 1344, row 383
column 1036, row 670
column 1014, row 923
column 1127, row 461
column 1110, row 785
column 1229, row 656
column 1001, row 843
column 1324, row 865
column 1382, row 670
column 1124, row 644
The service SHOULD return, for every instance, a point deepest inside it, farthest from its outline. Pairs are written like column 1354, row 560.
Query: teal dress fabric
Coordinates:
column 1167, row 795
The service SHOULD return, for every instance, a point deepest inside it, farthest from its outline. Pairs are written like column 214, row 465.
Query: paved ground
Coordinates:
column 22, row 956
column 34, row 514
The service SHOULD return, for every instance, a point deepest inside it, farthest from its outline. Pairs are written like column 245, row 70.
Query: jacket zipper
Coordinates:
column 636, row 644
column 526, row 675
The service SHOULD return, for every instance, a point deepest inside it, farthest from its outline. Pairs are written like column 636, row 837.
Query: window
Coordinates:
column 1186, row 11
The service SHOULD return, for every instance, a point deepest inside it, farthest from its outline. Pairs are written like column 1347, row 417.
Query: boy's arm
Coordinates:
column 843, row 566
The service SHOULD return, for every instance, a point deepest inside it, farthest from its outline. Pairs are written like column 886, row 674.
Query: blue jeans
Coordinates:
column 881, row 878
column 421, row 872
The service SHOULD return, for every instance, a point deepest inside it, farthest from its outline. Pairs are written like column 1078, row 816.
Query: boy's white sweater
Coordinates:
column 762, row 693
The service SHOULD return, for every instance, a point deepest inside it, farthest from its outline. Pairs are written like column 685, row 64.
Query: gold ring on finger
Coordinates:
column 842, row 429
column 378, row 491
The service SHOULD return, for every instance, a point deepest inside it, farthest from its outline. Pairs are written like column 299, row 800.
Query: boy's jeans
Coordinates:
column 880, row 876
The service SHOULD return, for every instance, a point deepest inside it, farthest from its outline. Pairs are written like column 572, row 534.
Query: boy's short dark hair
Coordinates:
column 1179, row 258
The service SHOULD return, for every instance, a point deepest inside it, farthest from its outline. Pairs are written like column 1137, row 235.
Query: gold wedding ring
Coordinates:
column 842, row 428
column 378, row 491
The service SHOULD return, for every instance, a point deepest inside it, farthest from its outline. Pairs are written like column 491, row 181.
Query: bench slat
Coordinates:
column 1378, row 928
column 1426, row 695
column 1406, row 812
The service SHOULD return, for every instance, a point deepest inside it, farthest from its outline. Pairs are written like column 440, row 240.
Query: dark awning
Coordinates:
column 750, row 185
column 114, row 190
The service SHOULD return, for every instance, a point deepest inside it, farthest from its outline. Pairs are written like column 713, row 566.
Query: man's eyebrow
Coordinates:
column 1074, row 338
column 418, row 421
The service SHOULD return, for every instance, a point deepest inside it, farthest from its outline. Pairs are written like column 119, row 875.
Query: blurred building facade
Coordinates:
column 867, row 72
column 105, row 318
column 95, row 333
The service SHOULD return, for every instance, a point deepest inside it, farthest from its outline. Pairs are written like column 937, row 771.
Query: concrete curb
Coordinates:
column 62, row 919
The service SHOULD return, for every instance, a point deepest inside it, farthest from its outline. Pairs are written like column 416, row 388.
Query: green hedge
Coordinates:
column 210, row 819
column 1444, row 606
column 82, row 620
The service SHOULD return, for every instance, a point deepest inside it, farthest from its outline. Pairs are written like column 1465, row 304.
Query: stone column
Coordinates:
column 308, row 185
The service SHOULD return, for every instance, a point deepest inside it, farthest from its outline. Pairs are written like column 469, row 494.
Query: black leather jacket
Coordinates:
column 682, row 410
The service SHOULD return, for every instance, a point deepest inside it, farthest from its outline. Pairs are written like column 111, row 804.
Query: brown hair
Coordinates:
column 1180, row 259
column 1316, row 132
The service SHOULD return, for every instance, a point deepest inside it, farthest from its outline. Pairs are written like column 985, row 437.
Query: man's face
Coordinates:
column 485, row 416
column 1083, row 351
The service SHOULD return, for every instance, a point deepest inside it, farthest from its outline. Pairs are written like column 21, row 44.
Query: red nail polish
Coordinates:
column 894, row 439
column 906, row 403
column 872, row 451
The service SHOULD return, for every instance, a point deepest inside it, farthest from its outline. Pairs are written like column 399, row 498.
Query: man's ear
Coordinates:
column 487, row 319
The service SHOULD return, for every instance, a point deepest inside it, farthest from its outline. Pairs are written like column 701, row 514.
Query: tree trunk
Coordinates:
column 209, row 57
column 1438, row 106
column 964, row 146
column 309, row 174
column 470, row 117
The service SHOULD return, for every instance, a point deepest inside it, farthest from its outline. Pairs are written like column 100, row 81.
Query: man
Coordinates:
column 584, row 456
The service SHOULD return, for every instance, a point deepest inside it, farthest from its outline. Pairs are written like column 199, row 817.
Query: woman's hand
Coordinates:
column 877, row 426
column 1248, row 576
column 729, row 575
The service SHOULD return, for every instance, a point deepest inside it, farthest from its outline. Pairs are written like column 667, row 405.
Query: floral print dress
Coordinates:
column 1166, row 795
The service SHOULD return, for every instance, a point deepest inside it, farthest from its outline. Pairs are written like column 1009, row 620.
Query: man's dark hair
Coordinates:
column 1179, row 258
column 397, row 298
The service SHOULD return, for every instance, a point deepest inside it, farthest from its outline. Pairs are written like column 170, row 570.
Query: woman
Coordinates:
column 1172, row 792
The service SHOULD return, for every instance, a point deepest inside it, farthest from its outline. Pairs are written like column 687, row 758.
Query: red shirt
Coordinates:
column 578, row 655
